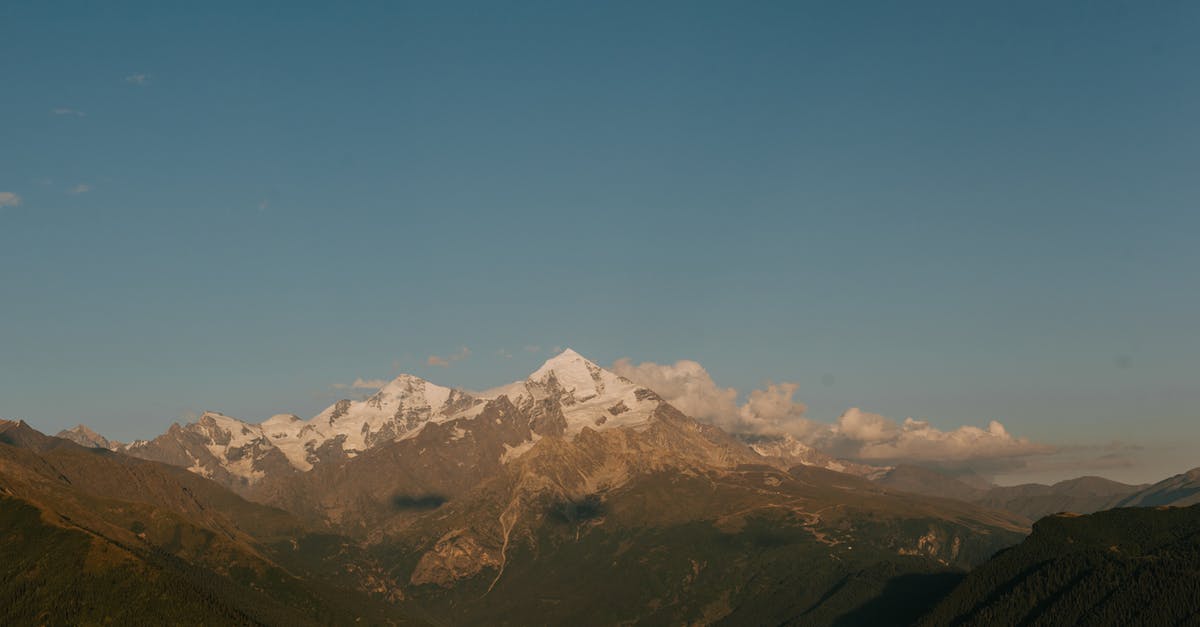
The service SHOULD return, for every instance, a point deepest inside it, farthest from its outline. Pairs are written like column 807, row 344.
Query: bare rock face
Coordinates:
column 83, row 436
column 229, row 451
column 456, row 555
column 403, row 477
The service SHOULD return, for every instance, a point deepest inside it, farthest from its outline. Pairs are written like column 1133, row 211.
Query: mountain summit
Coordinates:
column 505, row 501
column 565, row 395
column 586, row 394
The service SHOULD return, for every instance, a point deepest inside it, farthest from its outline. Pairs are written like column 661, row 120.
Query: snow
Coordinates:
column 512, row 452
column 588, row 395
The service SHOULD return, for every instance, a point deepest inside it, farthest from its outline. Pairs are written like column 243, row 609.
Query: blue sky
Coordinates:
column 950, row 211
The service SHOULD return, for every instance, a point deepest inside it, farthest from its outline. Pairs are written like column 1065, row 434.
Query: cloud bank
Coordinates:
column 856, row 435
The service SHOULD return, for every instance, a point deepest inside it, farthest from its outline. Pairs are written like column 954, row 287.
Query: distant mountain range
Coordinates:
column 1083, row 495
column 574, row 495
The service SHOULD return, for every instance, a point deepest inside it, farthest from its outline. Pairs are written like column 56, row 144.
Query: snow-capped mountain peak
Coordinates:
column 588, row 395
column 571, row 373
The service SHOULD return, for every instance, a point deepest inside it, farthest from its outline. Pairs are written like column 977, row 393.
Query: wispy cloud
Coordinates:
column 137, row 79
column 444, row 362
column 68, row 112
column 81, row 188
column 9, row 199
column 361, row 384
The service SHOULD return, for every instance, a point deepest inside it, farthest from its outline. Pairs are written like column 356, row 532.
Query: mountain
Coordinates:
column 920, row 480
column 1082, row 495
column 1180, row 490
column 562, row 397
column 694, row 526
column 446, row 457
column 85, row 437
column 577, row 496
column 521, row 511
column 90, row 536
column 1126, row 566
column 788, row 451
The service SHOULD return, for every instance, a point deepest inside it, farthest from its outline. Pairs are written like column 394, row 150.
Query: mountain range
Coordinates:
column 574, row 495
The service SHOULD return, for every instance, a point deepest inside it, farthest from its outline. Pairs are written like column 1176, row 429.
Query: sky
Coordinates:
column 956, row 212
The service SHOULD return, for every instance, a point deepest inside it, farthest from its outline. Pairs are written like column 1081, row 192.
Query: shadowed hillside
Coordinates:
column 1129, row 566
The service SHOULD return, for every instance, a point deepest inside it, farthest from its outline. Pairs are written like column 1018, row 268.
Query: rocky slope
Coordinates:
column 85, row 437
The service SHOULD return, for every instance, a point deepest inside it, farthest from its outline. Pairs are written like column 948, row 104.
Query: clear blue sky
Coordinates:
column 953, row 211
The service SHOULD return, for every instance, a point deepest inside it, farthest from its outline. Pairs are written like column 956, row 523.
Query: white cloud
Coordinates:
column 81, row 188
column 68, row 111
column 871, row 437
column 687, row 386
column 362, row 384
column 866, row 427
column 443, row 362
column 856, row 435
column 137, row 78
column 9, row 199
column 773, row 411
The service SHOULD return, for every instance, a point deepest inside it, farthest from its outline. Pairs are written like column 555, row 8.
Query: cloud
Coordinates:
column 533, row 349
column 874, row 438
column 68, row 111
column 444, row 362
column 856, row 434
column 688, row 386
column 137, row 79
column 9, row 199
column 362, row 384
column 81, row 188
column 773, row 411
